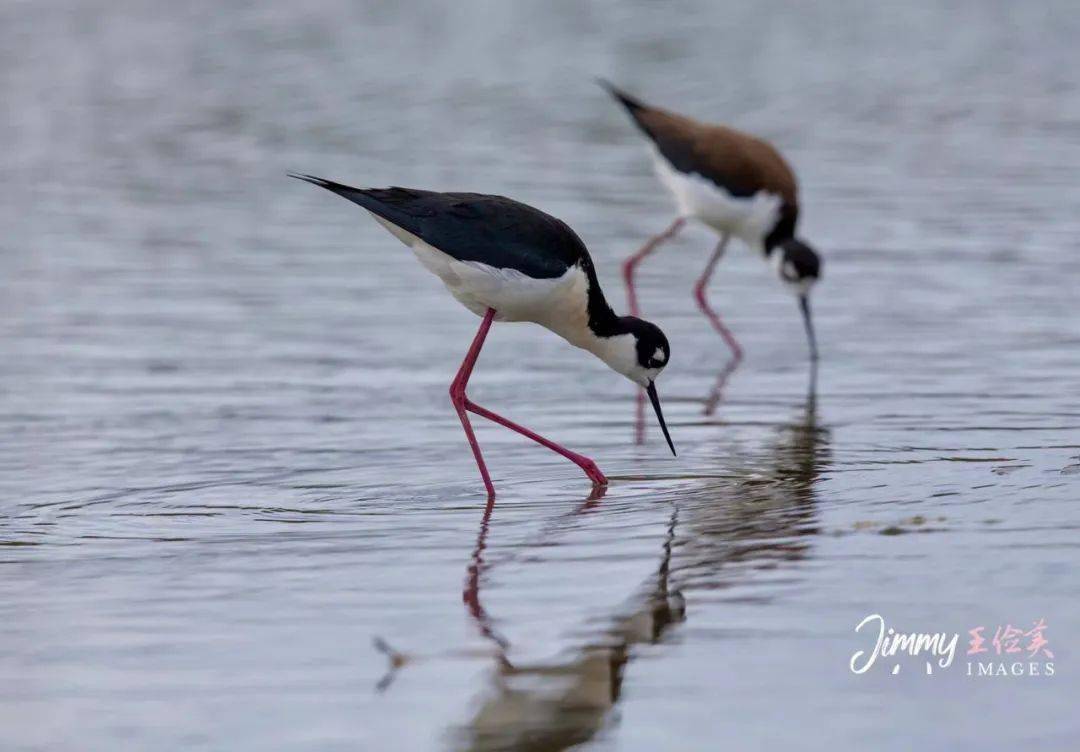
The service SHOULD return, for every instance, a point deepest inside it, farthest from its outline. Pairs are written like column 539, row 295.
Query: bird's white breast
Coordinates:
column 750, row 218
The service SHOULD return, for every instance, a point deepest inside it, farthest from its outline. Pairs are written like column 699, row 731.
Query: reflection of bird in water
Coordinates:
column 760, row 518
column 558, row 705
column 471, row 596
column 802, row 450
column 765, row 513
column 717, row 393
column 716, row 396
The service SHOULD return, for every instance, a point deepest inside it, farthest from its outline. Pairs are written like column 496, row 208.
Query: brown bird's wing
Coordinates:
column 739, row 163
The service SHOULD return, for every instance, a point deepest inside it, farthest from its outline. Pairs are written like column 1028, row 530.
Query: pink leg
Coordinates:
column 580, row 460
column 462, row 404
column 631, row 264
column 629, row 267
column 457, row 396
column 700, row 288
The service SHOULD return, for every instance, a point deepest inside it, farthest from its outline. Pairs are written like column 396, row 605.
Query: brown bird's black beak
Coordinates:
column 804, row 304
column 655, row 399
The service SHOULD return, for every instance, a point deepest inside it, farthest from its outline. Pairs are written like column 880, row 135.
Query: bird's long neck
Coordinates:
column 784, row 229
column 595, row 327
column 602, row 320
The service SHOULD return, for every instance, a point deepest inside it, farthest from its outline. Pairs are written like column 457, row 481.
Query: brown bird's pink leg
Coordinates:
column 700, row 288
column 463, row 404
column 629, row 267
column 631, row 263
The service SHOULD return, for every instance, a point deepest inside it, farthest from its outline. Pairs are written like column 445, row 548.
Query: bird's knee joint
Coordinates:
column 457, row 394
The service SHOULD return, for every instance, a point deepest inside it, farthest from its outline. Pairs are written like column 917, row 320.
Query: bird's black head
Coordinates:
column 651, row 350
column 798, row 264
column 799, row 268
column 639, row 351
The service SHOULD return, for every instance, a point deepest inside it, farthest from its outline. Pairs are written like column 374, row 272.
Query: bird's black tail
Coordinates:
column 338, row 188
column 634, row 106
column 392, row 204
column 356, row 195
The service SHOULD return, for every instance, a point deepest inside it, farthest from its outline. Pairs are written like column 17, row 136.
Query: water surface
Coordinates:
column 227, row 457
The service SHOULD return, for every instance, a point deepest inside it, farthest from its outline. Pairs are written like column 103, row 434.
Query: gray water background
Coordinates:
column 227, row 456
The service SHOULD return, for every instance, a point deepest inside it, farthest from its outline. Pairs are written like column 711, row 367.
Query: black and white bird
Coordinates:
column 506, row 261
column 734, row 183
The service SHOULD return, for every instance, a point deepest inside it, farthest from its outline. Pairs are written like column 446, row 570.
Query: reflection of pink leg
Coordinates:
column 478, row 566
column 717, row 393
column 629, row 267
column 462, row 404
column 471, row 594
column 700, row 288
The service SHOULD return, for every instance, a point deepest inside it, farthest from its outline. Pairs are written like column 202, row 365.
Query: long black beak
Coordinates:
column 804, row 304
column 655, row 399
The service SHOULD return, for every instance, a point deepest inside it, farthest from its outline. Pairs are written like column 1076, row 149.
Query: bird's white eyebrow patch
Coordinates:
column 659, row 355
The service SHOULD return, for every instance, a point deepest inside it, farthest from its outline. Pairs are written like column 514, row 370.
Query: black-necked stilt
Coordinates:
column 506, row 261
column 737, row 185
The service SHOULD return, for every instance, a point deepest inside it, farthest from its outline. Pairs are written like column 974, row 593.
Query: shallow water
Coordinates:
column 227, row 457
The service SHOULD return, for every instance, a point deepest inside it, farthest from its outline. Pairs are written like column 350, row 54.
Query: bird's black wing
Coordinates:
column 492, row 230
